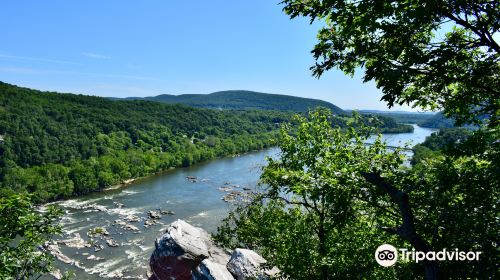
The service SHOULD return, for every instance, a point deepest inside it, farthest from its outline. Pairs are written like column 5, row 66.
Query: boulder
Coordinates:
column 167, row 212
column 210, row 270
column 192, row 179
column 57, row 274
column 181, row 249
column 111, row 242
column 185, row 252
column 131, row 228
column 246, row 264
column 119, row 205
column 150, row 223
column 132, row 218
column 120, row 223
column 54, row 250
column 154, row 214
column 75, row 241
column 98, row 247
column 97, row 231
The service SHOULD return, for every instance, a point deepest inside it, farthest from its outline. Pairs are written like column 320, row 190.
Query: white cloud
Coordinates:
column 95, row 55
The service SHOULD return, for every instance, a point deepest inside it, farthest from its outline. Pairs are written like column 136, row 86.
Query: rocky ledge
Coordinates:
column 185, row 252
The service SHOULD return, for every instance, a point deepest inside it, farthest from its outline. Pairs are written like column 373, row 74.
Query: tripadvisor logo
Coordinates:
column 387, row 255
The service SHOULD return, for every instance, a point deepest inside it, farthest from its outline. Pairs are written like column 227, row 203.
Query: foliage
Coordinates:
column 431, row 54
column 438, row 121
column 388, row 124
column 401, row 117
column 311, row 219
column 444, row 141
column 247, row 100
column 456, row 200
column 329, row 201
column 23, row 230
column 57, row 145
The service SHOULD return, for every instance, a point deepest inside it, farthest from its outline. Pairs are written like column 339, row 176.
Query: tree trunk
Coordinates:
column 407, row 229
column 322, row 247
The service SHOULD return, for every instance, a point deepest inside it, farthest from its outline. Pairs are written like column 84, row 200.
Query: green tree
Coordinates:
column 328, row 195
column 23, row 231
column 437, row 55
column 432, row 54
column 312, row 214
column 455, row 197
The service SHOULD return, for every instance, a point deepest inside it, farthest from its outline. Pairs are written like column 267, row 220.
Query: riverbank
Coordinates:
column 195, row 194
column 401, row 137
column 138, row 180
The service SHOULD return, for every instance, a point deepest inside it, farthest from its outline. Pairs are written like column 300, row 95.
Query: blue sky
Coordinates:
column 143, row 48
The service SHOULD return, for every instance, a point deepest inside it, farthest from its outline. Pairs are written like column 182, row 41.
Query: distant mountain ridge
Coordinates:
column 244, row 100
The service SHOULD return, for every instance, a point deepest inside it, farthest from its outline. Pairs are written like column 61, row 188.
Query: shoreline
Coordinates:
column 131, row 181
column 128, row 182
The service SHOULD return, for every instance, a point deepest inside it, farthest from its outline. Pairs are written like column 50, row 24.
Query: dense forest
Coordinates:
column 58, row 145
column 446, row 140
column 246, row 100
column 439, row 120
column 329, row 201
column 400, row 116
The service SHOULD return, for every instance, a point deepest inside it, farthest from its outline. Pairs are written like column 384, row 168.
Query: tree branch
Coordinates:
column 479, row 32
column 407, row 229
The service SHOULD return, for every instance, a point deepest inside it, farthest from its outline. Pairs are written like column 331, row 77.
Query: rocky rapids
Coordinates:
column 112, row 234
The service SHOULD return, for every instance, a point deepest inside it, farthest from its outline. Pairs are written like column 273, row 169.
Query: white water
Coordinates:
column 198, row 203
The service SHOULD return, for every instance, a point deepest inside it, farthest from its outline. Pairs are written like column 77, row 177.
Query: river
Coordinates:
column 198, row 201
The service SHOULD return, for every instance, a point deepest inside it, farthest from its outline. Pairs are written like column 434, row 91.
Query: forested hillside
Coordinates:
column 241, row 99
column 57, row 145
column 400, row 116
column 250, row 100
column 438, row 121
column 446, row 140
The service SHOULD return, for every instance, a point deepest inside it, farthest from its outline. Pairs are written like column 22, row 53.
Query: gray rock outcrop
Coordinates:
column 210, row 270
column 185, row 252
column 246, row 264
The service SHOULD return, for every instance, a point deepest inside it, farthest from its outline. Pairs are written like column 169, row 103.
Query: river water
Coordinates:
column 198, row 201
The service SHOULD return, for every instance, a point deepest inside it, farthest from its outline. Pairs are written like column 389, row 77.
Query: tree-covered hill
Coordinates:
column 401, row 116
column 57, row 145
column 244, row 100
column 439, row 120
